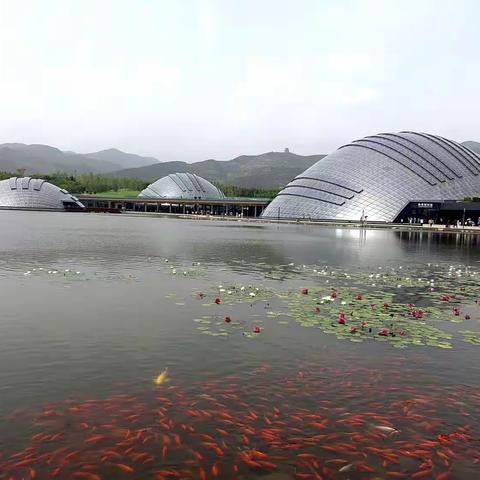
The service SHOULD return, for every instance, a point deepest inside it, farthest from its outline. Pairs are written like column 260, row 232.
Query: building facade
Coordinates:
column 377, row 177
column 182, row 186
column 35, row 194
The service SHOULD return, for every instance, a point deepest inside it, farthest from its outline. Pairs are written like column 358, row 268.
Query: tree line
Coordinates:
column 234, row 191
column 90, row 183
column 86, row 183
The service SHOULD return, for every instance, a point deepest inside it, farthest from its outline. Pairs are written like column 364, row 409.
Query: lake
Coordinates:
column 288, row 351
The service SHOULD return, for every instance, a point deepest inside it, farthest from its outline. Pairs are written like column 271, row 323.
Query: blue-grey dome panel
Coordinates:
column 182, row 185
column 35, row 193
column 378, row 176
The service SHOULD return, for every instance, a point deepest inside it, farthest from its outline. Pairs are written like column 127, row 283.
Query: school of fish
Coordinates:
column 308, row 423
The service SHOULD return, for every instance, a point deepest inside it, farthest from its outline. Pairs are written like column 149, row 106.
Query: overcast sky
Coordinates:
column 196, row 79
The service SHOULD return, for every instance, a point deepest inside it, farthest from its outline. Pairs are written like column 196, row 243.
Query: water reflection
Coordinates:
column 127, row 317
column 455, row 245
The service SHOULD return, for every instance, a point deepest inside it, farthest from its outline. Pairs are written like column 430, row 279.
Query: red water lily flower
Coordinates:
column 227, row 319
column 305, row 291
column 218, row 301
column 256, row 329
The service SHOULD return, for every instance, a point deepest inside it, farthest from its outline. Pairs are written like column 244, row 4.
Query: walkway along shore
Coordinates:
column 321, row 223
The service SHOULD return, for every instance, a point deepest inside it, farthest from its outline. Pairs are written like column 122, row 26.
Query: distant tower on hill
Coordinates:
column 287, row 150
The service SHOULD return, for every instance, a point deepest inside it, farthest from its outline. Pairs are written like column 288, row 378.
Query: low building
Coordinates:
column 27, row 193
column 236, row 207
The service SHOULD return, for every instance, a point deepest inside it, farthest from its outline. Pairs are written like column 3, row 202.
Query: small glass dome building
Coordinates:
column 182, row 186
column 35, row 194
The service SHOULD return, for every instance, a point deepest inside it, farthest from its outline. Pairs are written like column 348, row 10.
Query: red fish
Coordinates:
column 123, row 467
column 422, row 474
column 86, row 476
column 96, row 438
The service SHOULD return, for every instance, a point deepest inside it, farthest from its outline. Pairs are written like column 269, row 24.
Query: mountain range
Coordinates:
column 269, row 171
column 43, row 159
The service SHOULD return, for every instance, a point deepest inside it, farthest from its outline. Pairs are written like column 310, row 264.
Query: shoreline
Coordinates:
column 401, row 227
column 320, row 223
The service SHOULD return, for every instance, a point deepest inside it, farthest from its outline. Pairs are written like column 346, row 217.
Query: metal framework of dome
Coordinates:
column 378, row 176
column 182, row 186
column 35, row 194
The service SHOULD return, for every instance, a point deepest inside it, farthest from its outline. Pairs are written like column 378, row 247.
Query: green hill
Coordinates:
column 43, row 159
column 267, row 171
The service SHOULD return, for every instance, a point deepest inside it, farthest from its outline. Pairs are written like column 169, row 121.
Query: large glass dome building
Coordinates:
column 35, row 194
column 378, row 177
column 182, row 186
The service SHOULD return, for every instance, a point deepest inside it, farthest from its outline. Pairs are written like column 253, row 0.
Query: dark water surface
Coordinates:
column 94, row 307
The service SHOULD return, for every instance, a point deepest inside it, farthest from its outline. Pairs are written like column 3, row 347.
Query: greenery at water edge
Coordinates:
column 89, row 183
column 234, row 191
column 86, row 183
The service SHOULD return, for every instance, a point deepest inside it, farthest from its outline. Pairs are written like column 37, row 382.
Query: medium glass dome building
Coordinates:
column 182, row 186
column 378, row 176
column 35, row 194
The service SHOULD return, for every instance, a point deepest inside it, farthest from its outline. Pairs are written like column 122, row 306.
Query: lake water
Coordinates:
column 94, row 307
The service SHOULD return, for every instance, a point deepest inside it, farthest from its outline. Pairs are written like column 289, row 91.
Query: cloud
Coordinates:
column 207, row 21
column 334, row 79
column 202, row 78
column 359, row 96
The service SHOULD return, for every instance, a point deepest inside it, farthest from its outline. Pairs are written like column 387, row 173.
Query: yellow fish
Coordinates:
column 162, row 378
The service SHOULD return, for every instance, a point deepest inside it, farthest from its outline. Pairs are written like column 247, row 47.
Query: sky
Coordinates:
column 196, row 79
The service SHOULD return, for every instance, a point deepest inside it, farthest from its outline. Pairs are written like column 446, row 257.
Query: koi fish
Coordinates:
column 346, row 468
column 161, row 378
column 123, row 467
column 384, row 429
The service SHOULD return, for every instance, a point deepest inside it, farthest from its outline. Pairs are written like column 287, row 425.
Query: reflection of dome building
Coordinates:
column 35, row 194
column 182, row 185
column 378, row 176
